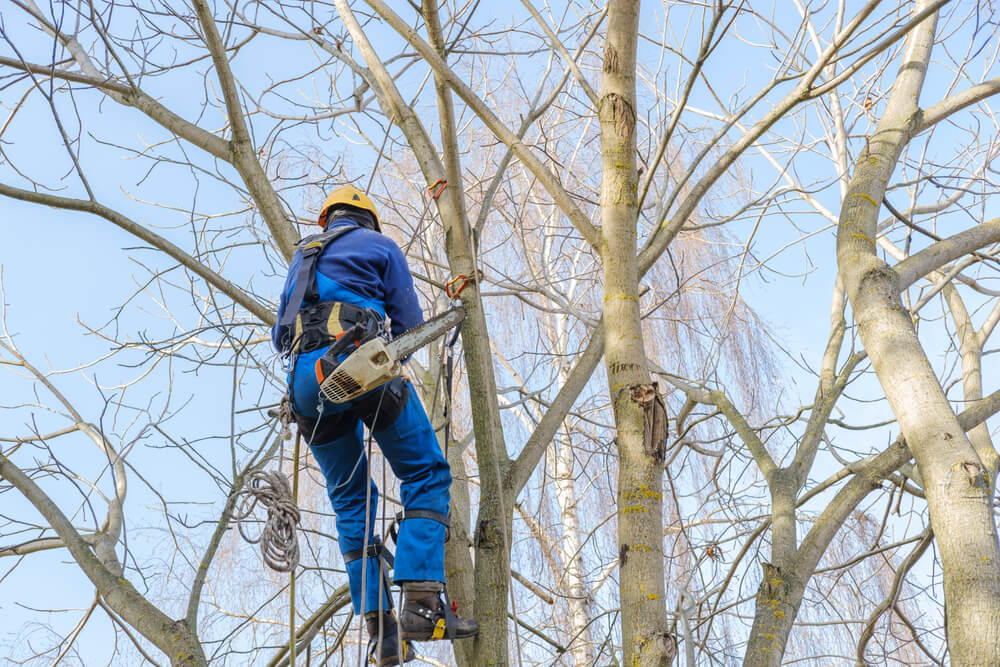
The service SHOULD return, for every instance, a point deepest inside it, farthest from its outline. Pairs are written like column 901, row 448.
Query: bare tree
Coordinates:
column 590, row 183
column 956, row 474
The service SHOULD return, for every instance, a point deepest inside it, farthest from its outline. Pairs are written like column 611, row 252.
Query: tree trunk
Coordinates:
column 784, row 578
column 955, row 480
column 457, row 557
column 778, row 600
column 575, row 589
column 493, row 524
column 645, row 641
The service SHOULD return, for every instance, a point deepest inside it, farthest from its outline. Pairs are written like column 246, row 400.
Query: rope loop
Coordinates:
column 279, row 543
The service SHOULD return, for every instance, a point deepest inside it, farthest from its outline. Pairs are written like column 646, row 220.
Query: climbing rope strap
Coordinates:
column 279, row 542
column 449, row 368
column 419, row 514
column 385, row 562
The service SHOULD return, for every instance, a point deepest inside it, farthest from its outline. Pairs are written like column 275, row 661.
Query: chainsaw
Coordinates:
column 375, row 360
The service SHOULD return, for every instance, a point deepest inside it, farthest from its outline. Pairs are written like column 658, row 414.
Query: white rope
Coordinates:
column 279, row 543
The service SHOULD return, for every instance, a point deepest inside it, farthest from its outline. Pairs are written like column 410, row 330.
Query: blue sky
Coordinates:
column 60, row 267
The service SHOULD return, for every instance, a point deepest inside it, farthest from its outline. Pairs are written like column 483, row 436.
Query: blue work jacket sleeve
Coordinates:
column 401, row 302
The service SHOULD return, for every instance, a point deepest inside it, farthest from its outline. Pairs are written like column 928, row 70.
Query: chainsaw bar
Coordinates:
column 412, row 340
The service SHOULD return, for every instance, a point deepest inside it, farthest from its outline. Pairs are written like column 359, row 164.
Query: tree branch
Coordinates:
column 137, row 99
column 41, row 544
column 173, row 638
column 557, row 45
column 666, row 231
column 747, row 434
column 548, row 179
column 539, row 440
column 956, row 102
column 243, row 151
column 946, row 250
column 215, row 280
column 897, row 583
column 339, row 599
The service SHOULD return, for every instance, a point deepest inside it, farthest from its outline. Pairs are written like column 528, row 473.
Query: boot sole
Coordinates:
column 424, row 637
column 411, row 655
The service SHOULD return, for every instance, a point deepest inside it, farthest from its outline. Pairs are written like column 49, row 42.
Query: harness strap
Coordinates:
column 450, row 619
column 319, row 324
column 420, row 514
column 444, row 619
column 311, row 247
column 385, row 563
column 375, row 550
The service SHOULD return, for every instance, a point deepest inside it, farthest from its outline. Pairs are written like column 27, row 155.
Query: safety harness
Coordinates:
column 304, row 328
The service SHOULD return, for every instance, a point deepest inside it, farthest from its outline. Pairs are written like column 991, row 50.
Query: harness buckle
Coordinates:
column 311, row 248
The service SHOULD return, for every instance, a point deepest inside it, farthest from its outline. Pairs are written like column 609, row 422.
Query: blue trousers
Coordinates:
column 409, row 444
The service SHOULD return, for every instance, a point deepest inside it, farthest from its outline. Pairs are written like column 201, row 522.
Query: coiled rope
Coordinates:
column 279, row 542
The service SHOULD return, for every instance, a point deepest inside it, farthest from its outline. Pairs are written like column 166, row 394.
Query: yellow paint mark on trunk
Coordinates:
column 865, row 237
column 866, row 197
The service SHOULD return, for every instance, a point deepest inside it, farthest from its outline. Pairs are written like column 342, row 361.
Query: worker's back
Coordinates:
column 364, row 268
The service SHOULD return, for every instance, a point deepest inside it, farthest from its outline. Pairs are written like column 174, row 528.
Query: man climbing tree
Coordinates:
column 342, row 285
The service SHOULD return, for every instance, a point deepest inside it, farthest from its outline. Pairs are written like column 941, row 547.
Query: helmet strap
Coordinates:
column 362, row 217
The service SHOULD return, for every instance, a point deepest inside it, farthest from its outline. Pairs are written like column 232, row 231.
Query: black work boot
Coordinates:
column 386, row 653
column 425, row 617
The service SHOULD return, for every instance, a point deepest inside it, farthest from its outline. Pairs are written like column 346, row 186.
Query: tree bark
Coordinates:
column 459, row 568
column 571, row 546
column 955, row 479
column 178, row 641
column 640, row 467
column 972, row 375
column 575, row 588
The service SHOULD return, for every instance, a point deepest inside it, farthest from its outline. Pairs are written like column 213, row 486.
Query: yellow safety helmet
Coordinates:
column 348, row 195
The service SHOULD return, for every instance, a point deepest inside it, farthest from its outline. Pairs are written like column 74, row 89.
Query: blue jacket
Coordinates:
column 365, row 268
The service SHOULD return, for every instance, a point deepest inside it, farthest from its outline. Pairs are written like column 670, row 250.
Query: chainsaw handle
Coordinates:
column 327, row 363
